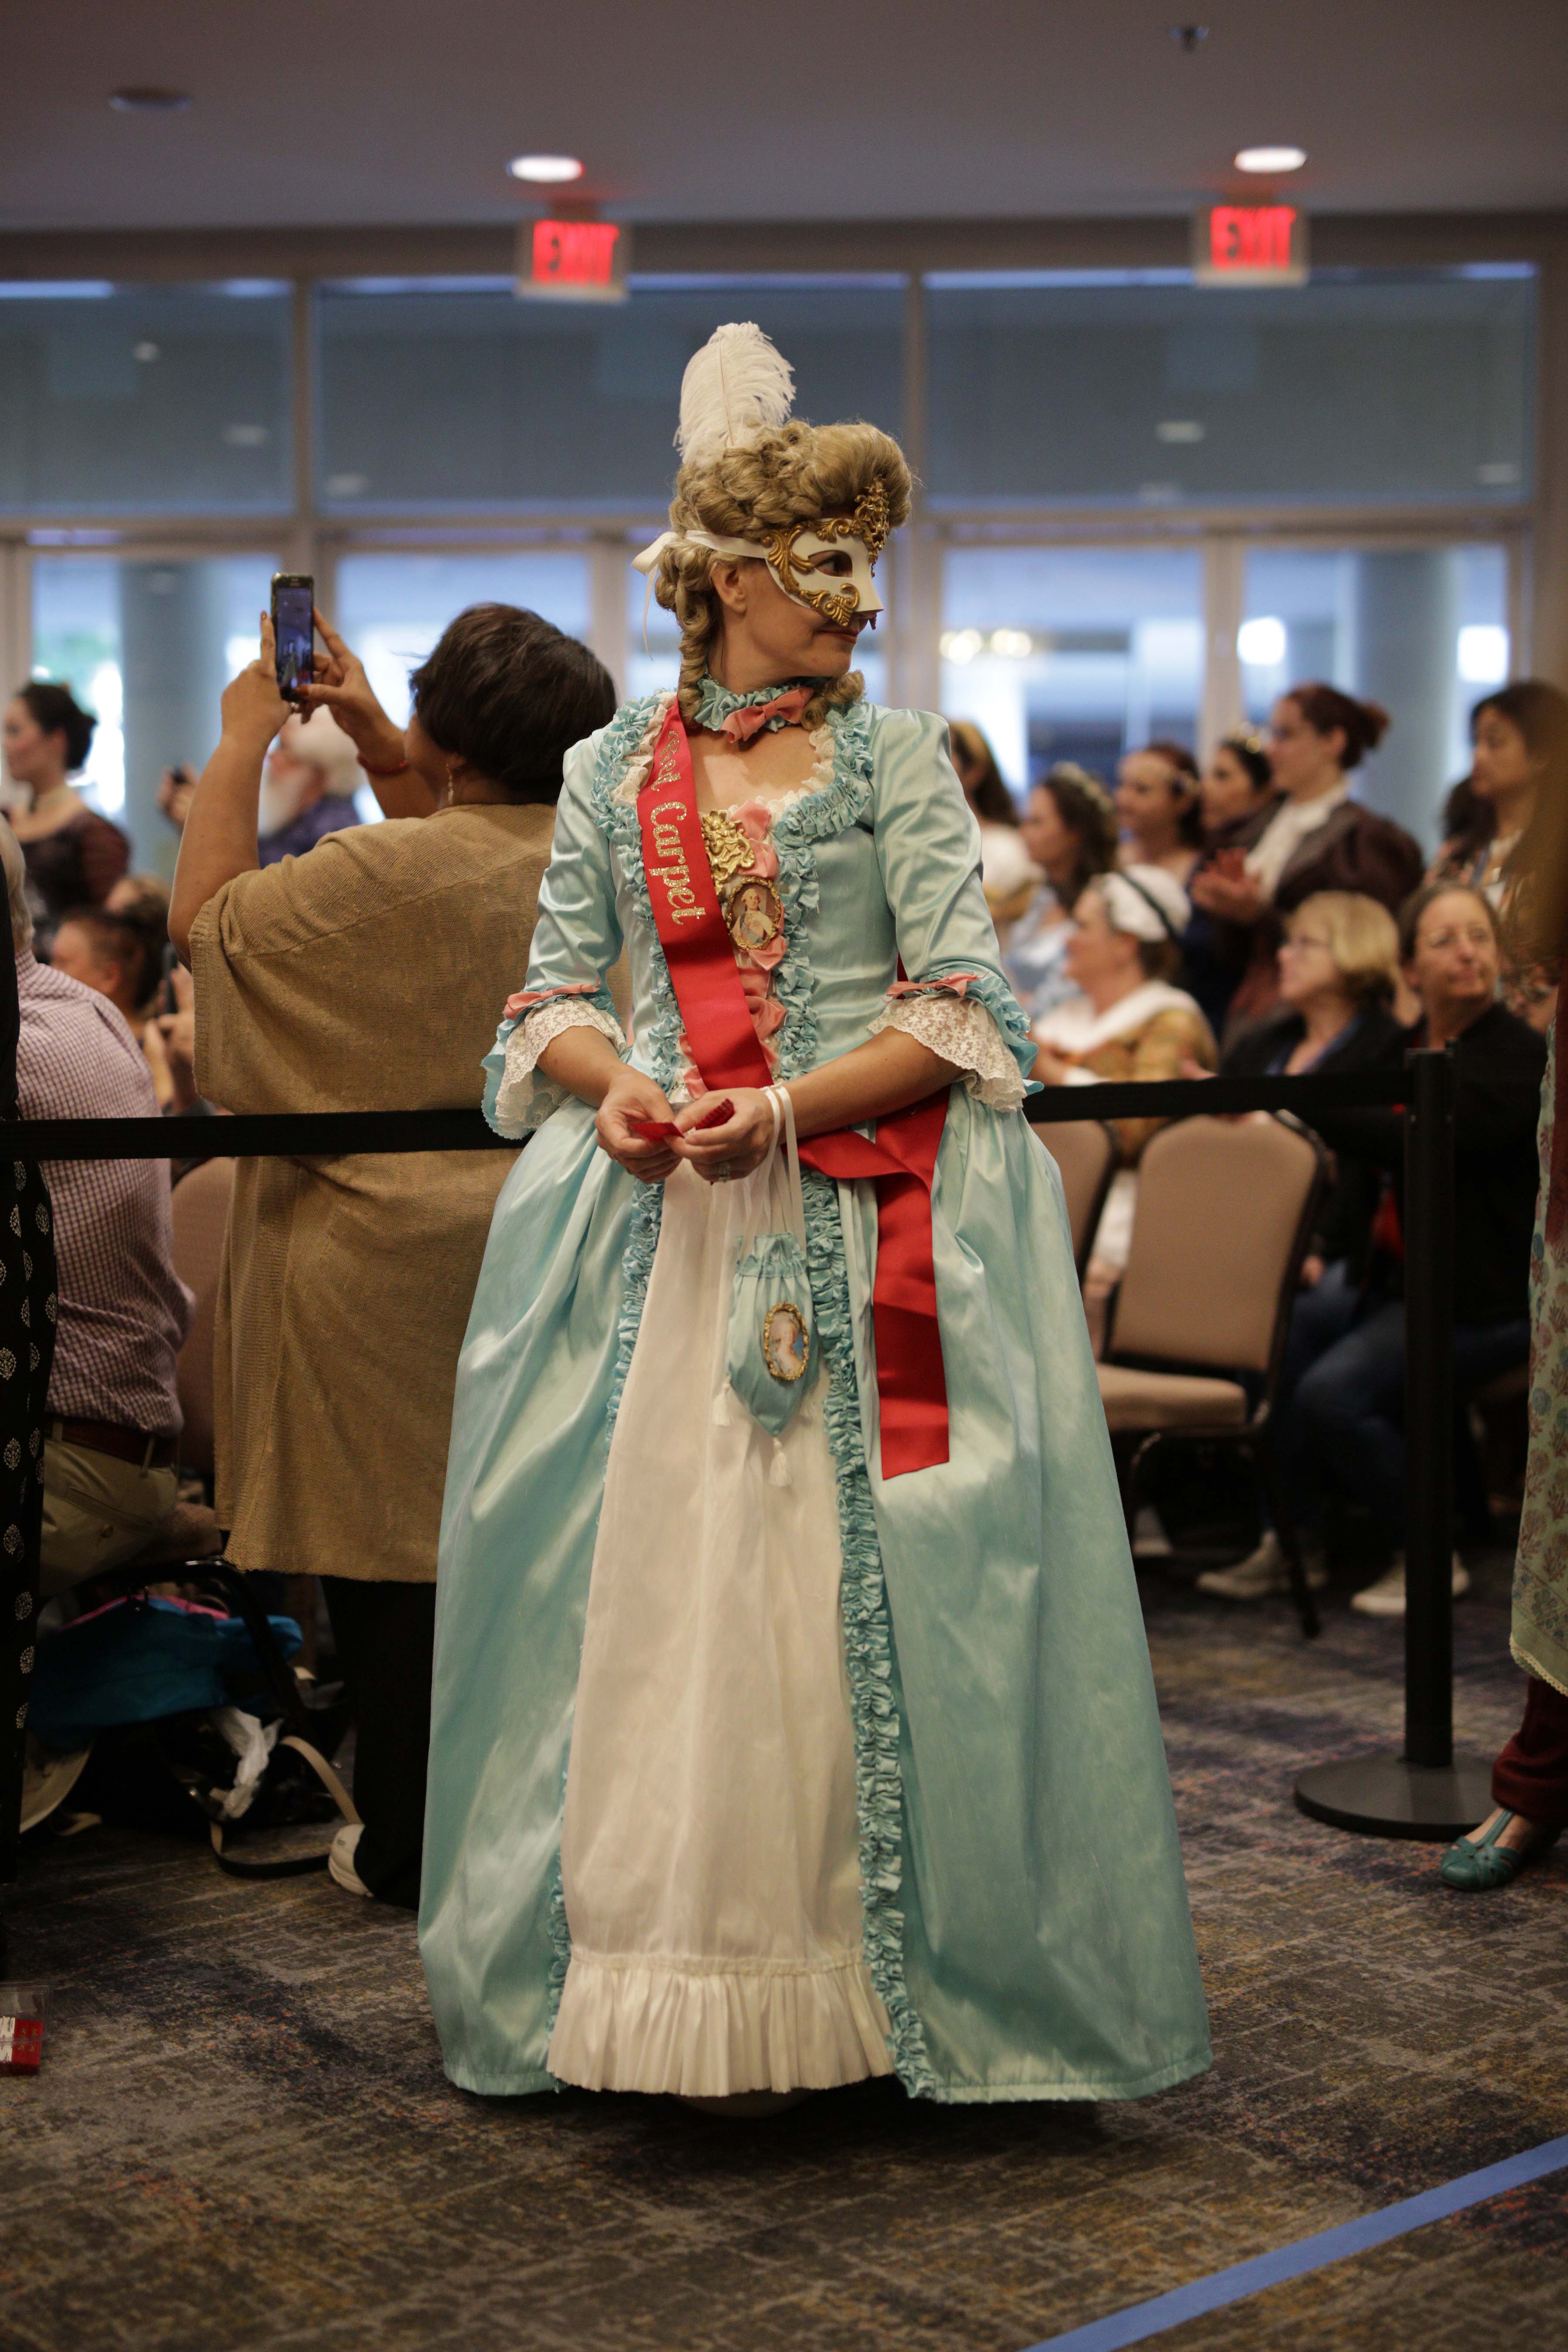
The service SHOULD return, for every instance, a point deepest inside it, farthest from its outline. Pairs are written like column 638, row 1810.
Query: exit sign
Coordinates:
column 1249, row 245
column 573, row 260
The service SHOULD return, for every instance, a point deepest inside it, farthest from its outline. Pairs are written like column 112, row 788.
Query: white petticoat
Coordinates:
column 710, row 1851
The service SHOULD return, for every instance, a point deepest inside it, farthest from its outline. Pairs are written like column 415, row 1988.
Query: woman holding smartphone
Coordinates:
column 365, row 977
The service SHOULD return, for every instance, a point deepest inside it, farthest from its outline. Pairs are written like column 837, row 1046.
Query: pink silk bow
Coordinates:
column 742, row 725
column 527, row 998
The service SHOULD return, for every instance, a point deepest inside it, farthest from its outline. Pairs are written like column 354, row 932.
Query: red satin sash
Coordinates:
column 911, row 1384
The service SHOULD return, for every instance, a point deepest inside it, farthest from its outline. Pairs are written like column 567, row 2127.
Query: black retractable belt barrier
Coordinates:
column 1424, row 1792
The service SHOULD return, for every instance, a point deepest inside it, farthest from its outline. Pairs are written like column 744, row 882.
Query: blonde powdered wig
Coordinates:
column 749, row 470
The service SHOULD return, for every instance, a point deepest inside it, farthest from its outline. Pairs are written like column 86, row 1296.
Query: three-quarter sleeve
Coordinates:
column 954, row 998
column 576, row 941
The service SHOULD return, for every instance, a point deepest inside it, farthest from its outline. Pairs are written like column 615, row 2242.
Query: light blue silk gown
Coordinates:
column 1025, row 1914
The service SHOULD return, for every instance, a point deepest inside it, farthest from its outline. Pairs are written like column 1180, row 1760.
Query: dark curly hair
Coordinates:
column 1088, row 811
column 56, row 709
column 510, row 694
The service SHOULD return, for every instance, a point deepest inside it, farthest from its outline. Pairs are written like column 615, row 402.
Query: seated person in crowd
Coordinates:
column 1157, row 801
column 1007, row 872
column 1127, row 1022
column 1339, row 966
column 369, row 976
column 1237, row 791
column 121, row 956
column 74, row 855
column 1068, row 831
column 1316, row 838
column 1347, row 1419
column 113, row 1422
column 1519, row 741
column 308, row 788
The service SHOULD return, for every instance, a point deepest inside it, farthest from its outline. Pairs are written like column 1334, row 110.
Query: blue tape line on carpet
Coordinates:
column 1146, row 2319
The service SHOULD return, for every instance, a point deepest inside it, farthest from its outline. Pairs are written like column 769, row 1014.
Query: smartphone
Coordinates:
column 294, row 630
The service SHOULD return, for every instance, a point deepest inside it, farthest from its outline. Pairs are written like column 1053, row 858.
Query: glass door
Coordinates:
column 1421, row 630
column 1072, row 653
column 147, row 645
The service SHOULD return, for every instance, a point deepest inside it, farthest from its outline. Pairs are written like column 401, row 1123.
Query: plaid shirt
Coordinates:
column 123, row 1311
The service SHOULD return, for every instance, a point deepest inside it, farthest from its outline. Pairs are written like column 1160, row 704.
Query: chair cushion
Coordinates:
column 1135, row 1399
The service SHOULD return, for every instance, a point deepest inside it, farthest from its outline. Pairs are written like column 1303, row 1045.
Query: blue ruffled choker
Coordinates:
column 715, row 702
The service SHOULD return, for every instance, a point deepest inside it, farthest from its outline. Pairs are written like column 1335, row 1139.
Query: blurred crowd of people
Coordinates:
column 1251, row 916
column 1255, row 916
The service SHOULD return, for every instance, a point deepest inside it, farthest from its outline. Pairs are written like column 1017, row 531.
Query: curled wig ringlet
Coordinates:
column 783, row 474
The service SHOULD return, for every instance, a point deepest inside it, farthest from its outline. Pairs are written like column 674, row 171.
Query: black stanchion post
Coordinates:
column 1424, row 1792
column 1429, row 1411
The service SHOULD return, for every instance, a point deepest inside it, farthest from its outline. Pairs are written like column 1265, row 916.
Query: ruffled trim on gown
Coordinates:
column 705, row 2029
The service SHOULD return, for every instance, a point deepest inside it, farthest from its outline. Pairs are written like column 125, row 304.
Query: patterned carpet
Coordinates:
column 242, row 2136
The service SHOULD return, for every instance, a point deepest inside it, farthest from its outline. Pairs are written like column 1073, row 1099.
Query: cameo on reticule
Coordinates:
column 786, row 1343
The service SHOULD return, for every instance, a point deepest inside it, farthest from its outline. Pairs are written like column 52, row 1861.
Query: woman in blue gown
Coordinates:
column 770, row 1758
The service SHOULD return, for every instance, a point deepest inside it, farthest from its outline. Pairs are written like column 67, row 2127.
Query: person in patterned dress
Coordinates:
column 28, row 1310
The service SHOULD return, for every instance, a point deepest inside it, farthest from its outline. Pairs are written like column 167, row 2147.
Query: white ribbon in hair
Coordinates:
column 648, row 560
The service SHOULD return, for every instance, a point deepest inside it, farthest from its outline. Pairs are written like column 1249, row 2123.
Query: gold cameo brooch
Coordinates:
column 752, row 909
column 785, row 1342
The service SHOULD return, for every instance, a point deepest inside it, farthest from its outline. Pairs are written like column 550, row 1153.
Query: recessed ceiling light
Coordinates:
column 545, row 170
column 1271, row 159
column 146, row 98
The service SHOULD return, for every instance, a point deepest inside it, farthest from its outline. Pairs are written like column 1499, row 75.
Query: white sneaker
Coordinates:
column 341, row 1859
column 1262, row 1573
column 48, row 1780
column 1150, row 1540
column 1386, row 1597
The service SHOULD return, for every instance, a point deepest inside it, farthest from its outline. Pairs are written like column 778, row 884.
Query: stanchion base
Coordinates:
column 1383, row 1796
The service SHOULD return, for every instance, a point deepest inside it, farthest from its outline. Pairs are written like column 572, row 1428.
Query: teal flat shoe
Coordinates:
column 1478, row 1865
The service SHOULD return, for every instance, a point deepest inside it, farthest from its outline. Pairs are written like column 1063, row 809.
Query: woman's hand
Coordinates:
column 1234, row 895
column 736, row 1149
column 341, row 686
column 631, row 1096
column 176, row 1032
column 1049, row 1067
column 253, row 709
column 177, row 791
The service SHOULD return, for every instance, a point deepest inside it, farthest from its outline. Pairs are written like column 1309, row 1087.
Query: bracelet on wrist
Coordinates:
column 401, row 768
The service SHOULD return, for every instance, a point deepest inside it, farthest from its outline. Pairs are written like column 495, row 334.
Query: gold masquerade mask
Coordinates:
column 826, row 566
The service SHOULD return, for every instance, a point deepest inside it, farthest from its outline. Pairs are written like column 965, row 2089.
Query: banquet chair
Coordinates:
column 1226, row 1212
column 1085, row 1151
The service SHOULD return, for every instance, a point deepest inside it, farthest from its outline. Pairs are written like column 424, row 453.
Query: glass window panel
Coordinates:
column 654, row 667
column 391, row 609
column 1423, row 630
column 172, row 400
column 148, row 648
column 1072, row 653
column 1359, row 386
column 472, row 399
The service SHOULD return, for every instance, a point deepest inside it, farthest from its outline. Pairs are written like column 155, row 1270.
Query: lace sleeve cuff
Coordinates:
column 961, row 1030
column 518, row 1096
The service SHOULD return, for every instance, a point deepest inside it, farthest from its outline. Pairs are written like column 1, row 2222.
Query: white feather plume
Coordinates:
column 734, row 388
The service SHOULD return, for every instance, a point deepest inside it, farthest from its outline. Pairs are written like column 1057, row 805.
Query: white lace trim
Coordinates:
column 525, row 1097
column 634, row 774
column 961, row 1030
